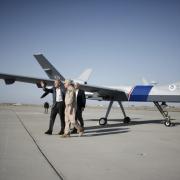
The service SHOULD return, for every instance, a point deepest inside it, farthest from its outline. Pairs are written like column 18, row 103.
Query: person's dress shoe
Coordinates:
column 74, row 131
column 48, row 132
column 61, row 133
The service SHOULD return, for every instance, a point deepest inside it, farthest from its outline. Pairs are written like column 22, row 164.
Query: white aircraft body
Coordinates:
column 139, row 93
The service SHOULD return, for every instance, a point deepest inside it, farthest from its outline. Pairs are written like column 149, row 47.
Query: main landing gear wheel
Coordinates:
column 127, row 120
column 102, row 121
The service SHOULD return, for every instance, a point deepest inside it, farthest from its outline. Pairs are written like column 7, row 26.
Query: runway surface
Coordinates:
column 143, row 150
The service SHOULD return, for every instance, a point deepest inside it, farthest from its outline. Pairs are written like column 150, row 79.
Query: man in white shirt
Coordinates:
column 58, row 106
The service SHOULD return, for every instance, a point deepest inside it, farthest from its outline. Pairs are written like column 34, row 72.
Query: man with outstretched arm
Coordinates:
column 58, row 106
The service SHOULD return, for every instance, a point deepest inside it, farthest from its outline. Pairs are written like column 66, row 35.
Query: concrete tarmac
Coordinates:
column 143, row 150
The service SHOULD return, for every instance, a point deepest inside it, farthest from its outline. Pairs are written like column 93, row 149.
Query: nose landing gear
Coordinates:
column 167, row 118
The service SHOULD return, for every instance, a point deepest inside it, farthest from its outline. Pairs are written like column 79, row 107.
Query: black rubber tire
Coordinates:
column 127, row 120
column 102, row 121
column 167, row 123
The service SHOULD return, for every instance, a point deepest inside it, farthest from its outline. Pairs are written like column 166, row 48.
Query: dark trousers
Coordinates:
column 79, row 117
column 58, row 108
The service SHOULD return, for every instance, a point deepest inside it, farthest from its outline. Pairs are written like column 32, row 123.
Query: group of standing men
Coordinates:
column 69, row 102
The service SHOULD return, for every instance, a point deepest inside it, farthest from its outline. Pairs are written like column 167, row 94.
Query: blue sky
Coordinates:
column 122, row 41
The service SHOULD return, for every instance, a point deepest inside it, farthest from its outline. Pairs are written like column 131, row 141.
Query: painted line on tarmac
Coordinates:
column 59, row 174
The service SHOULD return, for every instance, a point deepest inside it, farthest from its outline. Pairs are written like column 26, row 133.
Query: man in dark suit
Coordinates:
column 81, row 103
column 58, row 106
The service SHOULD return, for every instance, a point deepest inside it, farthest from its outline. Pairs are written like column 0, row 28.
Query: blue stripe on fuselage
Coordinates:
column 140, row 93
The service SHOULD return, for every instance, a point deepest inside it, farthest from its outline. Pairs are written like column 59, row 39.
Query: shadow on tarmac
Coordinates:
column 117, row 128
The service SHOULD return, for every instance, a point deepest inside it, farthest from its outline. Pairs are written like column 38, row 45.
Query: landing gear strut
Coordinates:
column 103, row 121
column 167, row 118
